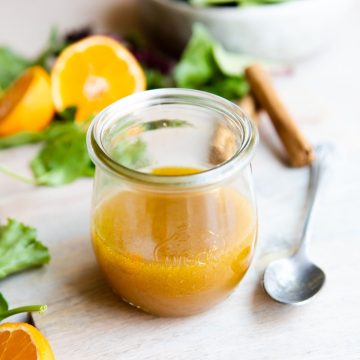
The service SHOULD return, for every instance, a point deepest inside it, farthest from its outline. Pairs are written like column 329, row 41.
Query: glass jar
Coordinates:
column 174, row 220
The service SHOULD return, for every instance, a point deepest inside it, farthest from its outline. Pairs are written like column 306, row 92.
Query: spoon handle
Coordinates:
column 323, row 154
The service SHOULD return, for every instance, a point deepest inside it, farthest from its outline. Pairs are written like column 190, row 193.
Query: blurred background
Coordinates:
column 25, row 25
column 290, row 31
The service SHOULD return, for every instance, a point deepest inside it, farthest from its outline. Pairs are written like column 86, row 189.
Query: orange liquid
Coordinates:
column 174, row 254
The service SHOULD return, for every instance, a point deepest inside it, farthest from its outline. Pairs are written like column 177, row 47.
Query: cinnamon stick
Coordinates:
column 299, row 149
column 250, row 107
column 223, row 144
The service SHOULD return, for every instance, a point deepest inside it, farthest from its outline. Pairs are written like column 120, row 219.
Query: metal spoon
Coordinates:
column 296, row 279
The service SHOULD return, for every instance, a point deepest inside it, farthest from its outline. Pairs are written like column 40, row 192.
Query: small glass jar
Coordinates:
column 174, row 220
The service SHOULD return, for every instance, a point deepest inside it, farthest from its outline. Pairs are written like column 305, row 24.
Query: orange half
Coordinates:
column 27, row 104
column 93, row 73
column 23, row 341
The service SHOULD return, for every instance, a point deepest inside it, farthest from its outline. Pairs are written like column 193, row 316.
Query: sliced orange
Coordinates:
column 23, row 341
column 92, row 73
column 27, row 104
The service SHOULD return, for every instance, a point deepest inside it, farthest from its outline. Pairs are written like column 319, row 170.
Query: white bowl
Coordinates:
column 285, row 32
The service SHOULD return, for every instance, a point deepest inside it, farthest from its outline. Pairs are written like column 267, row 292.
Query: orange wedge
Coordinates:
column 93, row 73
column 23, row 341
column 27, row 105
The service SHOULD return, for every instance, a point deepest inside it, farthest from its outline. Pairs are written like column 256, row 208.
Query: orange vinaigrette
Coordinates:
column 174, row 254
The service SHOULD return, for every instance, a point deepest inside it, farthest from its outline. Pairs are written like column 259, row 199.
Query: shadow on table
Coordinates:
column 94, row 293
column 267, row 311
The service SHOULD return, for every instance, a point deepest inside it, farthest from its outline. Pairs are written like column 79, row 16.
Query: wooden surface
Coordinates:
column 85, row 321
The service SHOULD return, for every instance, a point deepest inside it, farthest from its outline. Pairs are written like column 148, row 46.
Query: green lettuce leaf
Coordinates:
column 20, row 249
column 196, row 66
column 231, row 64
column 206, row 65
column 63, row 157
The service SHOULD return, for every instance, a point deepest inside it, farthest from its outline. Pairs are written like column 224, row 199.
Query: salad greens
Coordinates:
column 206, row 65
column 63, row 156
column 5, row 312
column 20, row 249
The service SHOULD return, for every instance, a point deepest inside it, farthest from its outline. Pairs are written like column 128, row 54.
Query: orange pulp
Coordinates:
column 23, row 341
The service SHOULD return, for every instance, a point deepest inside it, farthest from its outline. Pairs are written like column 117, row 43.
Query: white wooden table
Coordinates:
column 324, row 95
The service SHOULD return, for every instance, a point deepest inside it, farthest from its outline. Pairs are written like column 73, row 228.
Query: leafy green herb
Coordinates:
column 205, row 65
column 63, row 157
column 20, row 249
column 21, row 138
column 5, row 312
column 11, row 66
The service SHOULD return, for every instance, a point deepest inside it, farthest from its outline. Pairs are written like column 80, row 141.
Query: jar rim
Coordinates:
column 218, row 173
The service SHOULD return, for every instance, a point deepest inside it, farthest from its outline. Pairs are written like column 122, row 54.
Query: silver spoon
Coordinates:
column 295, row 279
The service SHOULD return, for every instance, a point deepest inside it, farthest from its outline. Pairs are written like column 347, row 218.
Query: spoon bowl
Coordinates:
column 293, row 280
